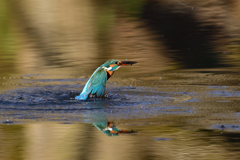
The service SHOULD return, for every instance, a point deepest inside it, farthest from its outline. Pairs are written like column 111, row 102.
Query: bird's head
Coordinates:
column 112, row 65
column 115, row 64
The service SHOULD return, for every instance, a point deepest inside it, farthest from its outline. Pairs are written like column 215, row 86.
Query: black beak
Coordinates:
column 127, row 62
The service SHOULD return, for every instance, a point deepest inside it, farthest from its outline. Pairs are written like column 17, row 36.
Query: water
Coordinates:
column 84, row 141
column 180, row 101
column 167, row 118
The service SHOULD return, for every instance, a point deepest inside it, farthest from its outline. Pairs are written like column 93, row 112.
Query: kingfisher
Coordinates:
column 96, row 84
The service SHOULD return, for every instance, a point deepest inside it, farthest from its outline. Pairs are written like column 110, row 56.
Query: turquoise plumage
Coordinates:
column 96, row 84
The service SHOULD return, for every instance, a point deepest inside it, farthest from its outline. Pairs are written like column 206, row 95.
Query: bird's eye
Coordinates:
column 116, row 62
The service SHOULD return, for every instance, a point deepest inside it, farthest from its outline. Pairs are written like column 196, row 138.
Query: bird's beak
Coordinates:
column 123, row 63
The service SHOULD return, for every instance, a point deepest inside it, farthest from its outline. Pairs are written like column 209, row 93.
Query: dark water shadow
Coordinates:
column 189, row 42
column 231, row 140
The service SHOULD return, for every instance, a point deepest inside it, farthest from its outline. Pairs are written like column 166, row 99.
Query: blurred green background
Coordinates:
column 80, row 35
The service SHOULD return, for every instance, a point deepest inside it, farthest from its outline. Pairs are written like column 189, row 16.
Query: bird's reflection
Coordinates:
column 109, row 128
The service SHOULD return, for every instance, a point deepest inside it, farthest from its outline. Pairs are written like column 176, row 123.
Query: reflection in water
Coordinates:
column 109, row 128
column 47, row 141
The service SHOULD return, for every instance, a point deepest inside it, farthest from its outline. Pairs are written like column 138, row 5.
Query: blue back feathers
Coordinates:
column 96, row 84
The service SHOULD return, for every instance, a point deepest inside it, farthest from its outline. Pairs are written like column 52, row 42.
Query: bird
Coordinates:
column 96, row 85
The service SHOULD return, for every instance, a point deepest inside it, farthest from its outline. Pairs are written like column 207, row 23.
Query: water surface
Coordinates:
column 172, row 115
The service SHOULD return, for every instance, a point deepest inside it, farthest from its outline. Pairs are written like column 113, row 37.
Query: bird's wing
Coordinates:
column 95, row 85
column 97, row 82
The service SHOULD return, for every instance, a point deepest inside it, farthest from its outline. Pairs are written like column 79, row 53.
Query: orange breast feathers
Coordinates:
column 110, row 72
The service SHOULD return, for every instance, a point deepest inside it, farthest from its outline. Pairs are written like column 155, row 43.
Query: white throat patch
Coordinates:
column 109, row 68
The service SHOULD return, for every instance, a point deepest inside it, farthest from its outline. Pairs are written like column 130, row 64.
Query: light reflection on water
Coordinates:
column 47, row 141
